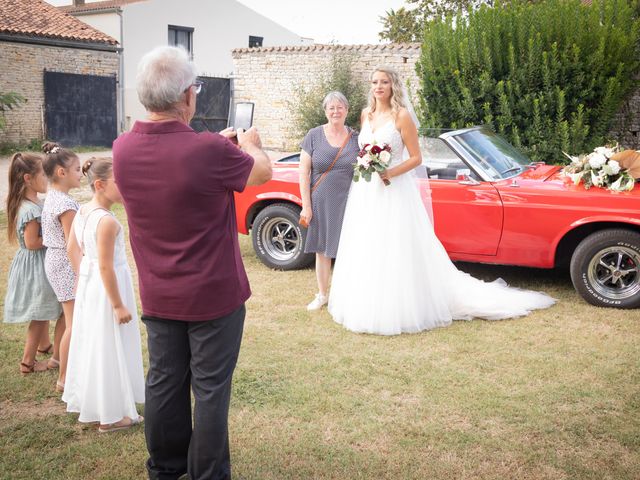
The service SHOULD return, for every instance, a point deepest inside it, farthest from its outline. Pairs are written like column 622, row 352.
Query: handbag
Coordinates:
column 303, row 223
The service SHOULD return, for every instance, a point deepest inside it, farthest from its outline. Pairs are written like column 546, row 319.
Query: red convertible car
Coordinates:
column 491, row 205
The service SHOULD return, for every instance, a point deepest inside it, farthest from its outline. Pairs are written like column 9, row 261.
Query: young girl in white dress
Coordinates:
column 392, row 275
column 105, row 377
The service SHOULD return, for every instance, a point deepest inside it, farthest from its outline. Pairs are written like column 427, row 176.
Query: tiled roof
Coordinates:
column 96, row 6
column 320, row 47
column 37, row 18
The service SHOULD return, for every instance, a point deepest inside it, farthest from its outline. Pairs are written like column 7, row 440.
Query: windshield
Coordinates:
column 493, row 154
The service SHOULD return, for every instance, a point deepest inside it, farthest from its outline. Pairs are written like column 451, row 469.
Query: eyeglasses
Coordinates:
column 198, row 84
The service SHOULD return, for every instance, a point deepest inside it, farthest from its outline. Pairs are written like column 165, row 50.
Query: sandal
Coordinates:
column 46, row 351
column 59, row 386
column 53, row 364
column 26, row 369
column 114, row 427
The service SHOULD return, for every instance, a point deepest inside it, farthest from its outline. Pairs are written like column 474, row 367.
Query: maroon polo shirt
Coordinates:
column 177, row 186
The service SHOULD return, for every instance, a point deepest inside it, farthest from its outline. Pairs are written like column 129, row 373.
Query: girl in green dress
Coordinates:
column 29, row 297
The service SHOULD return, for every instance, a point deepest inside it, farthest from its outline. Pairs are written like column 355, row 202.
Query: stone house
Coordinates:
column 66, row 70
column 209, row 30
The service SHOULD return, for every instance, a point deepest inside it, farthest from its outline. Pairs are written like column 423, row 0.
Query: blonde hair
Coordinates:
column 397, row 95
column 97, row 168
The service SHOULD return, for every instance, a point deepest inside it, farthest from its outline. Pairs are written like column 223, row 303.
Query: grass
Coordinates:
column 554, row 395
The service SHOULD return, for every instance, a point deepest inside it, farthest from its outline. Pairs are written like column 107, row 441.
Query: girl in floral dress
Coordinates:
column 62, row 168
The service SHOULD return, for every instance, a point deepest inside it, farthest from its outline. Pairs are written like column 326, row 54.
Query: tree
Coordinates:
column 401, row 26
column 8, row 101
column 549, row 76
column 306, row 106
column 407, row 24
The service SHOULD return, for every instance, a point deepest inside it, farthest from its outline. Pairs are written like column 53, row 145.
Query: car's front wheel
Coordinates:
column 278, row 239
column 605, row 268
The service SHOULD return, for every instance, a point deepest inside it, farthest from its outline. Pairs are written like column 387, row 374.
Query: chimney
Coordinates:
column 78, row 3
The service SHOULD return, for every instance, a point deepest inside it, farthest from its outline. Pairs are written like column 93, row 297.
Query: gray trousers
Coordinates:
column 185, row 356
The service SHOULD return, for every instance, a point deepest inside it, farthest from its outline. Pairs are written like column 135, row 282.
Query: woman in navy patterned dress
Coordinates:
column 323, row 208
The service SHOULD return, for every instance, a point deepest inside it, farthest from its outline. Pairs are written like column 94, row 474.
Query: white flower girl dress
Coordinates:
column 105, row 377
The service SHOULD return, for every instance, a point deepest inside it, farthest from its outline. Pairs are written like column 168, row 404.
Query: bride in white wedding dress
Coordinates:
column 392, row 275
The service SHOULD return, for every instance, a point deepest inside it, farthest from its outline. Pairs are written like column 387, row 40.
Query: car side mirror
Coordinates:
column 463, row 176
column 468, row 180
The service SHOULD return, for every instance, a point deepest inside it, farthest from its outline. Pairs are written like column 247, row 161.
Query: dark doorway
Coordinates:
column 80, row 109
column 212, row 106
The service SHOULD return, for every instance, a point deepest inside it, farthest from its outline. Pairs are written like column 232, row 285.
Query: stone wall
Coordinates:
column 23, row 73
column 626, row 127
column 268, row 77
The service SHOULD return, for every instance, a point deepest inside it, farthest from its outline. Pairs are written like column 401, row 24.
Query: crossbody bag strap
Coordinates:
column 322, row 177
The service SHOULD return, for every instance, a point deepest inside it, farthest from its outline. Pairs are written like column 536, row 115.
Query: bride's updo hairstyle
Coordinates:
column 397, row 96
column 97, row 169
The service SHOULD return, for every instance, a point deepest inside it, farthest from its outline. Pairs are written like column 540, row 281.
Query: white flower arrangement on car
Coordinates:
column 606, row 167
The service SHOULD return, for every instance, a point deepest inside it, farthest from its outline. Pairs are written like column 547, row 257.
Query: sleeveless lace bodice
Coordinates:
column 386, row 133
column 86, row 228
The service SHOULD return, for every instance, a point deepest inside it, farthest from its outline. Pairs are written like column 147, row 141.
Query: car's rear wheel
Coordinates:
column 278, row 239
column 605, row 268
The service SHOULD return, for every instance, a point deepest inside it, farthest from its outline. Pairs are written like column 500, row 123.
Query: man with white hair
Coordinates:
column 178, row 189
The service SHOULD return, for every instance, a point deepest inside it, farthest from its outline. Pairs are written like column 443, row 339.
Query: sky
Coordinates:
column 341, row 21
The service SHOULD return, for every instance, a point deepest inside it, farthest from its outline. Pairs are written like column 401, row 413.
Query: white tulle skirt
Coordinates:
column 105, row 377
column 392, row 275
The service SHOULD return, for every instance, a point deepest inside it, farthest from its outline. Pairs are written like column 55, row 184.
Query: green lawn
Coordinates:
column 554, row 395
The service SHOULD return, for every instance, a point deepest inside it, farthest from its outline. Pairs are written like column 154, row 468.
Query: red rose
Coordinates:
column 376, row 149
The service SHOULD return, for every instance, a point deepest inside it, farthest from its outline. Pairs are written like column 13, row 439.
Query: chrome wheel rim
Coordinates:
column 614, row 272
column 280, row 239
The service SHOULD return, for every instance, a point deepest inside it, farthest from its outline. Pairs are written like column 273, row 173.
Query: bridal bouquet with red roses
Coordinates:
column 372, row 158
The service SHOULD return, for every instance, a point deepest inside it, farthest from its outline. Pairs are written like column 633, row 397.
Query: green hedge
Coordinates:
column 549, row 76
